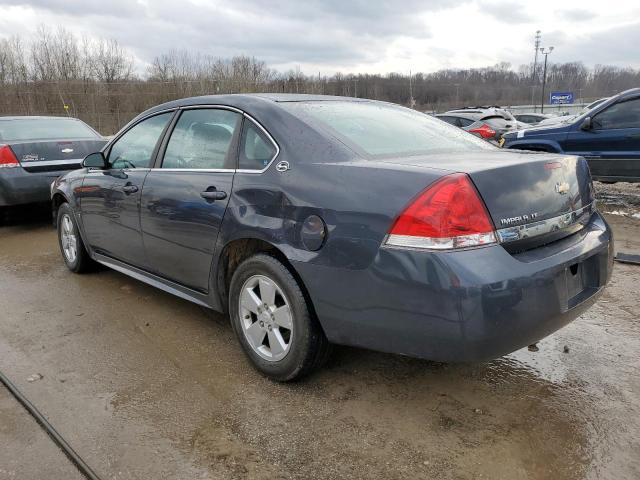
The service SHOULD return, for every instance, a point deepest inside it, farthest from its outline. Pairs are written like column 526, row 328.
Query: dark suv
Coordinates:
column 608, row 136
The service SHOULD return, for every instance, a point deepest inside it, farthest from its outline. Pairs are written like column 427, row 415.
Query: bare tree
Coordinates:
column 110, row 61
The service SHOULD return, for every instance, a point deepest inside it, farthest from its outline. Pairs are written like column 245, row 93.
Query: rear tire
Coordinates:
column 273, row 322
column 74, row 253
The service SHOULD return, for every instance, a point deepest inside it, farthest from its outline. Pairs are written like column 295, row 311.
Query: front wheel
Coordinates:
column 272, row 321
column 73, row 251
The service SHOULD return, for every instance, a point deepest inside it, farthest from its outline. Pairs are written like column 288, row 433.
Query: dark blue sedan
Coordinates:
column 608, row 136
column 315, row 220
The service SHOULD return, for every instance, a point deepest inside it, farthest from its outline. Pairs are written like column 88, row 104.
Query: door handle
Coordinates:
column 211, row 194
column 129, row 189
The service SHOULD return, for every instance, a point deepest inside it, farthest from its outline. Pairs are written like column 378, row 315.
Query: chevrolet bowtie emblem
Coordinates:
column 562, row 188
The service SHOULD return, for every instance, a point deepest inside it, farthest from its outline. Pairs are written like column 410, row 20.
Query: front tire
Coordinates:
column 74, row 253
column 273, row 323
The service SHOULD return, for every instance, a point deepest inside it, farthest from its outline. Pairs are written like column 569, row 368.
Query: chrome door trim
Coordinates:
column 534, row 229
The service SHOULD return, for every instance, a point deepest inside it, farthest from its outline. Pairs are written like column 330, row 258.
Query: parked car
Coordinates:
column 34, row 151
column 314, row 220
column 531, row 118
column 608, row 136
column 567, row 118
column 489, row 124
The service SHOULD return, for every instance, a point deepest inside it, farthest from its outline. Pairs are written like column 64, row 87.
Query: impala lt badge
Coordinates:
column 562, row 188
column 506, row 222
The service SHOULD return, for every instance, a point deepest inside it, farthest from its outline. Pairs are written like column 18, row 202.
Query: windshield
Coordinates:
column 379, row 130
column 43, row 129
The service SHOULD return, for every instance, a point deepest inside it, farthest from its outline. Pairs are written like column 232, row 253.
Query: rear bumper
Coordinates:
column 471, row 305
column 19, row 187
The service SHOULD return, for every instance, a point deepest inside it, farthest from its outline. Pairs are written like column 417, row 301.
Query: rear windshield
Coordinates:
column 381, row 130
column 43, row 129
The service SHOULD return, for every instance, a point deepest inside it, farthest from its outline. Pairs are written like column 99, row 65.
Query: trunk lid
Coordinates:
column 523, row 188
column 54, row 155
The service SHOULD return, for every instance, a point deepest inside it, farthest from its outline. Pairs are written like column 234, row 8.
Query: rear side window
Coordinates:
column 256, row 150
column 381, row 130
column 620, row 115
column 135, row 148
column 201, row 140
column 449, row 120
column 44, row 129
column 464, row 122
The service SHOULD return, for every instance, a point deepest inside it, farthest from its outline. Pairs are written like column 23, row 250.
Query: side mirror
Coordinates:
column 95, row 160
column 586, row 124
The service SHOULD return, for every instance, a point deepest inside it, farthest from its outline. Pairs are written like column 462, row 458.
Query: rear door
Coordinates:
column 110, row 198
column 612, row 145
column 185, row 197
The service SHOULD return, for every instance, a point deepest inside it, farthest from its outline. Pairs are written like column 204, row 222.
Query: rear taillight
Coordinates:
column 484, row 130
column 7, row 158
column 448, row 214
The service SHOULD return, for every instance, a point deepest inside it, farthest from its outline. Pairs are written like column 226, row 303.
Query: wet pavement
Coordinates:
column 145, row 385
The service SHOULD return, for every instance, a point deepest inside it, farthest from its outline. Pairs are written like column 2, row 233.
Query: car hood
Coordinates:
column 538, row 129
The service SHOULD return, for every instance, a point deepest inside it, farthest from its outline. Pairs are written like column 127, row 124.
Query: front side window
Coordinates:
column 381, row 130
column 135, row 148
column 256, row 149
column 202, row 139
column 620, row 115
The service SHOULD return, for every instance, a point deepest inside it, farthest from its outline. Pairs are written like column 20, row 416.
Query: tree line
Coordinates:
column 59, row 73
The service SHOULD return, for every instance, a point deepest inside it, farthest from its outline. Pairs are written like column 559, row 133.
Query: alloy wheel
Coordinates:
column 266, row 317
column 68, row 239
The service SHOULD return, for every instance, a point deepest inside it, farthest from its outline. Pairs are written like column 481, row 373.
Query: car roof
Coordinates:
column 35, row 117
column 467, row 115
column 248, row 101
column 303, row 97
column 239, row 98
column 632, row 92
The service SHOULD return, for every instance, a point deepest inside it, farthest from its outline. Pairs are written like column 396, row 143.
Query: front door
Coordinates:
column 110, row 199
column 184, row 200
column 612, row 145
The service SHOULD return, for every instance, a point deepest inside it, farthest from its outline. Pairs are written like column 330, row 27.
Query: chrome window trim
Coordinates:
column 541, row 227
column 38, row 163
column 204, row 170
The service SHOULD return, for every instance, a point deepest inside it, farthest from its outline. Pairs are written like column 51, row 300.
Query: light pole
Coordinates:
column 544, row 74
column 534, row 76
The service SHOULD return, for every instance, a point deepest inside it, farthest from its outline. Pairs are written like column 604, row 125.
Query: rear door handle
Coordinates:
column 211, row 194
column 128, row 189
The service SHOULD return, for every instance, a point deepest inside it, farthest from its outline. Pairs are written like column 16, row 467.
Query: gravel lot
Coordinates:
column 145, row 385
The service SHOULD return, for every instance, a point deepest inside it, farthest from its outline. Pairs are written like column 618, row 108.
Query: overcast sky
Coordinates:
column 349, row 36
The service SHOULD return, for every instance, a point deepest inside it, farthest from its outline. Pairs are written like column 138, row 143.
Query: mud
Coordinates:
column 145, row 385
